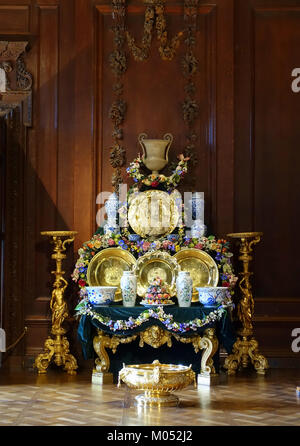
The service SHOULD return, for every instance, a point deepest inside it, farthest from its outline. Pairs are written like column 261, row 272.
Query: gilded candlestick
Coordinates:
column 57, row 348
column 246, row 346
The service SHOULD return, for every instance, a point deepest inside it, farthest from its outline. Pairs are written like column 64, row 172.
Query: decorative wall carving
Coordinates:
column 18, row 79
column 118, row 64
column 189, row 66
column 154, row 15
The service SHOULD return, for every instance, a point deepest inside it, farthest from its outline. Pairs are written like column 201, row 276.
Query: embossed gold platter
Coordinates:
column 201, row 266
column 158, row 381
column 106, row 268
column 156, row 264
column 153, row 213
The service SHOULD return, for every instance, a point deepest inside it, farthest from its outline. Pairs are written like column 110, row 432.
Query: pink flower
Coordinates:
column 111, row 242
column 199, row 246
column 146, row 246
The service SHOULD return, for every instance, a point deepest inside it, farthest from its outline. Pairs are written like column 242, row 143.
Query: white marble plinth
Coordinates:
column 207, row 380
column 101, row 378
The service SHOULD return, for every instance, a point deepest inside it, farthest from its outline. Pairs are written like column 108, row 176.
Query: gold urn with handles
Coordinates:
column 155, row 151
column 157, row 381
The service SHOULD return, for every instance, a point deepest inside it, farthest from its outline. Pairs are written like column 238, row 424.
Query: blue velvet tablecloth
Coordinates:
column 88, row 325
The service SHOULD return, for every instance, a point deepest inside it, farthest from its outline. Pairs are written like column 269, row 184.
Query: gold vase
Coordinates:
column 57, row 347
column 155, row 151
column 245, row 348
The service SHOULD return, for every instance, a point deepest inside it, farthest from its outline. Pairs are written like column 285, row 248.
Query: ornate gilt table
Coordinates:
column 96, row 337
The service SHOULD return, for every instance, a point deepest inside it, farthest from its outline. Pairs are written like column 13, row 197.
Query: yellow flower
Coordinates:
column 97, row 244
column 177, row 248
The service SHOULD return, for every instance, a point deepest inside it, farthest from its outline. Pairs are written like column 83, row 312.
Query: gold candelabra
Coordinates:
column 246, row 346
column 57, row 348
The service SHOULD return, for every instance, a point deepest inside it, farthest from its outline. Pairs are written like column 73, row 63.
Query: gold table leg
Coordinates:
column 57, row 348
column 208, row 342
column 245, row 349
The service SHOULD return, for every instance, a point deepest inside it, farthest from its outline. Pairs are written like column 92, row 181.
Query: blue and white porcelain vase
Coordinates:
column 197, row 205
column 184, row 288
column 128, row 285
column 112, row 207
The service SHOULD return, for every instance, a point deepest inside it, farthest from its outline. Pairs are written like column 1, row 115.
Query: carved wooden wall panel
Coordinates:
column 266, row 137
column 14, row 18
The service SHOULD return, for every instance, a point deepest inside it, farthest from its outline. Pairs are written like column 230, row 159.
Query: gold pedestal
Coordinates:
column 245, row 349
column 57, row 348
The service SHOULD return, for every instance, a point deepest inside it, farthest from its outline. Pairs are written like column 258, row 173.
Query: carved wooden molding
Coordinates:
column 18, row 81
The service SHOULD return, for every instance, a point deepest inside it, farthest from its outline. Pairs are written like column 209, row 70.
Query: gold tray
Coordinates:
column 202, row 267
column 153, row 213
column 106, row 268
column 156, row 264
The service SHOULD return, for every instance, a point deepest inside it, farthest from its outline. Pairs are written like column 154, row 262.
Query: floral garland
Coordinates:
column 167, row 320
column 156, row 180
column 217, row 248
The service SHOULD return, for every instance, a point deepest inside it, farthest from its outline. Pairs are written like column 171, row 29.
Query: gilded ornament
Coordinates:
column 201, row 266
column 106, row 268
column 245, row 348
column 158, row 381
column 156, row 264
column 153, row 213
column 57, row 349
column 208, row 342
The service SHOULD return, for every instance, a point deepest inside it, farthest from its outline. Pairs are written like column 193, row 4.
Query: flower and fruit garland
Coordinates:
column 217, row 248
column 157, row 180
column 84, row 308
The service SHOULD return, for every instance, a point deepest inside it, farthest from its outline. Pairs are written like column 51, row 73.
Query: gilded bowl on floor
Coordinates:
column 157, row 381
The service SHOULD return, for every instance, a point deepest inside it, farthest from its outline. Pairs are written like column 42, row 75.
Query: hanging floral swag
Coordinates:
column 157, row 181
column 84, row 308
column 217, row 248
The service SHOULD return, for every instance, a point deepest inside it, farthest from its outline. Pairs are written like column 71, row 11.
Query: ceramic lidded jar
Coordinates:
column 184, row 288
column 128, row 285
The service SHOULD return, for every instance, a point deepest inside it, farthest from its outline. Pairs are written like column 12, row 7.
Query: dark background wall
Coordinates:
column 248, row 153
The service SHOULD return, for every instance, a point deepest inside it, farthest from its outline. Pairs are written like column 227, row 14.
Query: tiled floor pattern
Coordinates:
column 57, row 399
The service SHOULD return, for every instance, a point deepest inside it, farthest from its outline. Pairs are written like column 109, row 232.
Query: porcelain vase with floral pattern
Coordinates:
column 128, row 285
column 184, row 288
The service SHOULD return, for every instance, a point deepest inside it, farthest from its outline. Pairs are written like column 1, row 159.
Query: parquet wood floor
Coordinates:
column 56, row 399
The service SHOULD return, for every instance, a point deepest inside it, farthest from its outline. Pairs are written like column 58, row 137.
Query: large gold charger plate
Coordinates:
column 201, row 266
column 106, row 268
column 156, row 264
column 153, row 213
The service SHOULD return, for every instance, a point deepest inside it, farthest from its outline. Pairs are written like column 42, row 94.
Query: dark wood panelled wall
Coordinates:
column 247, row 151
